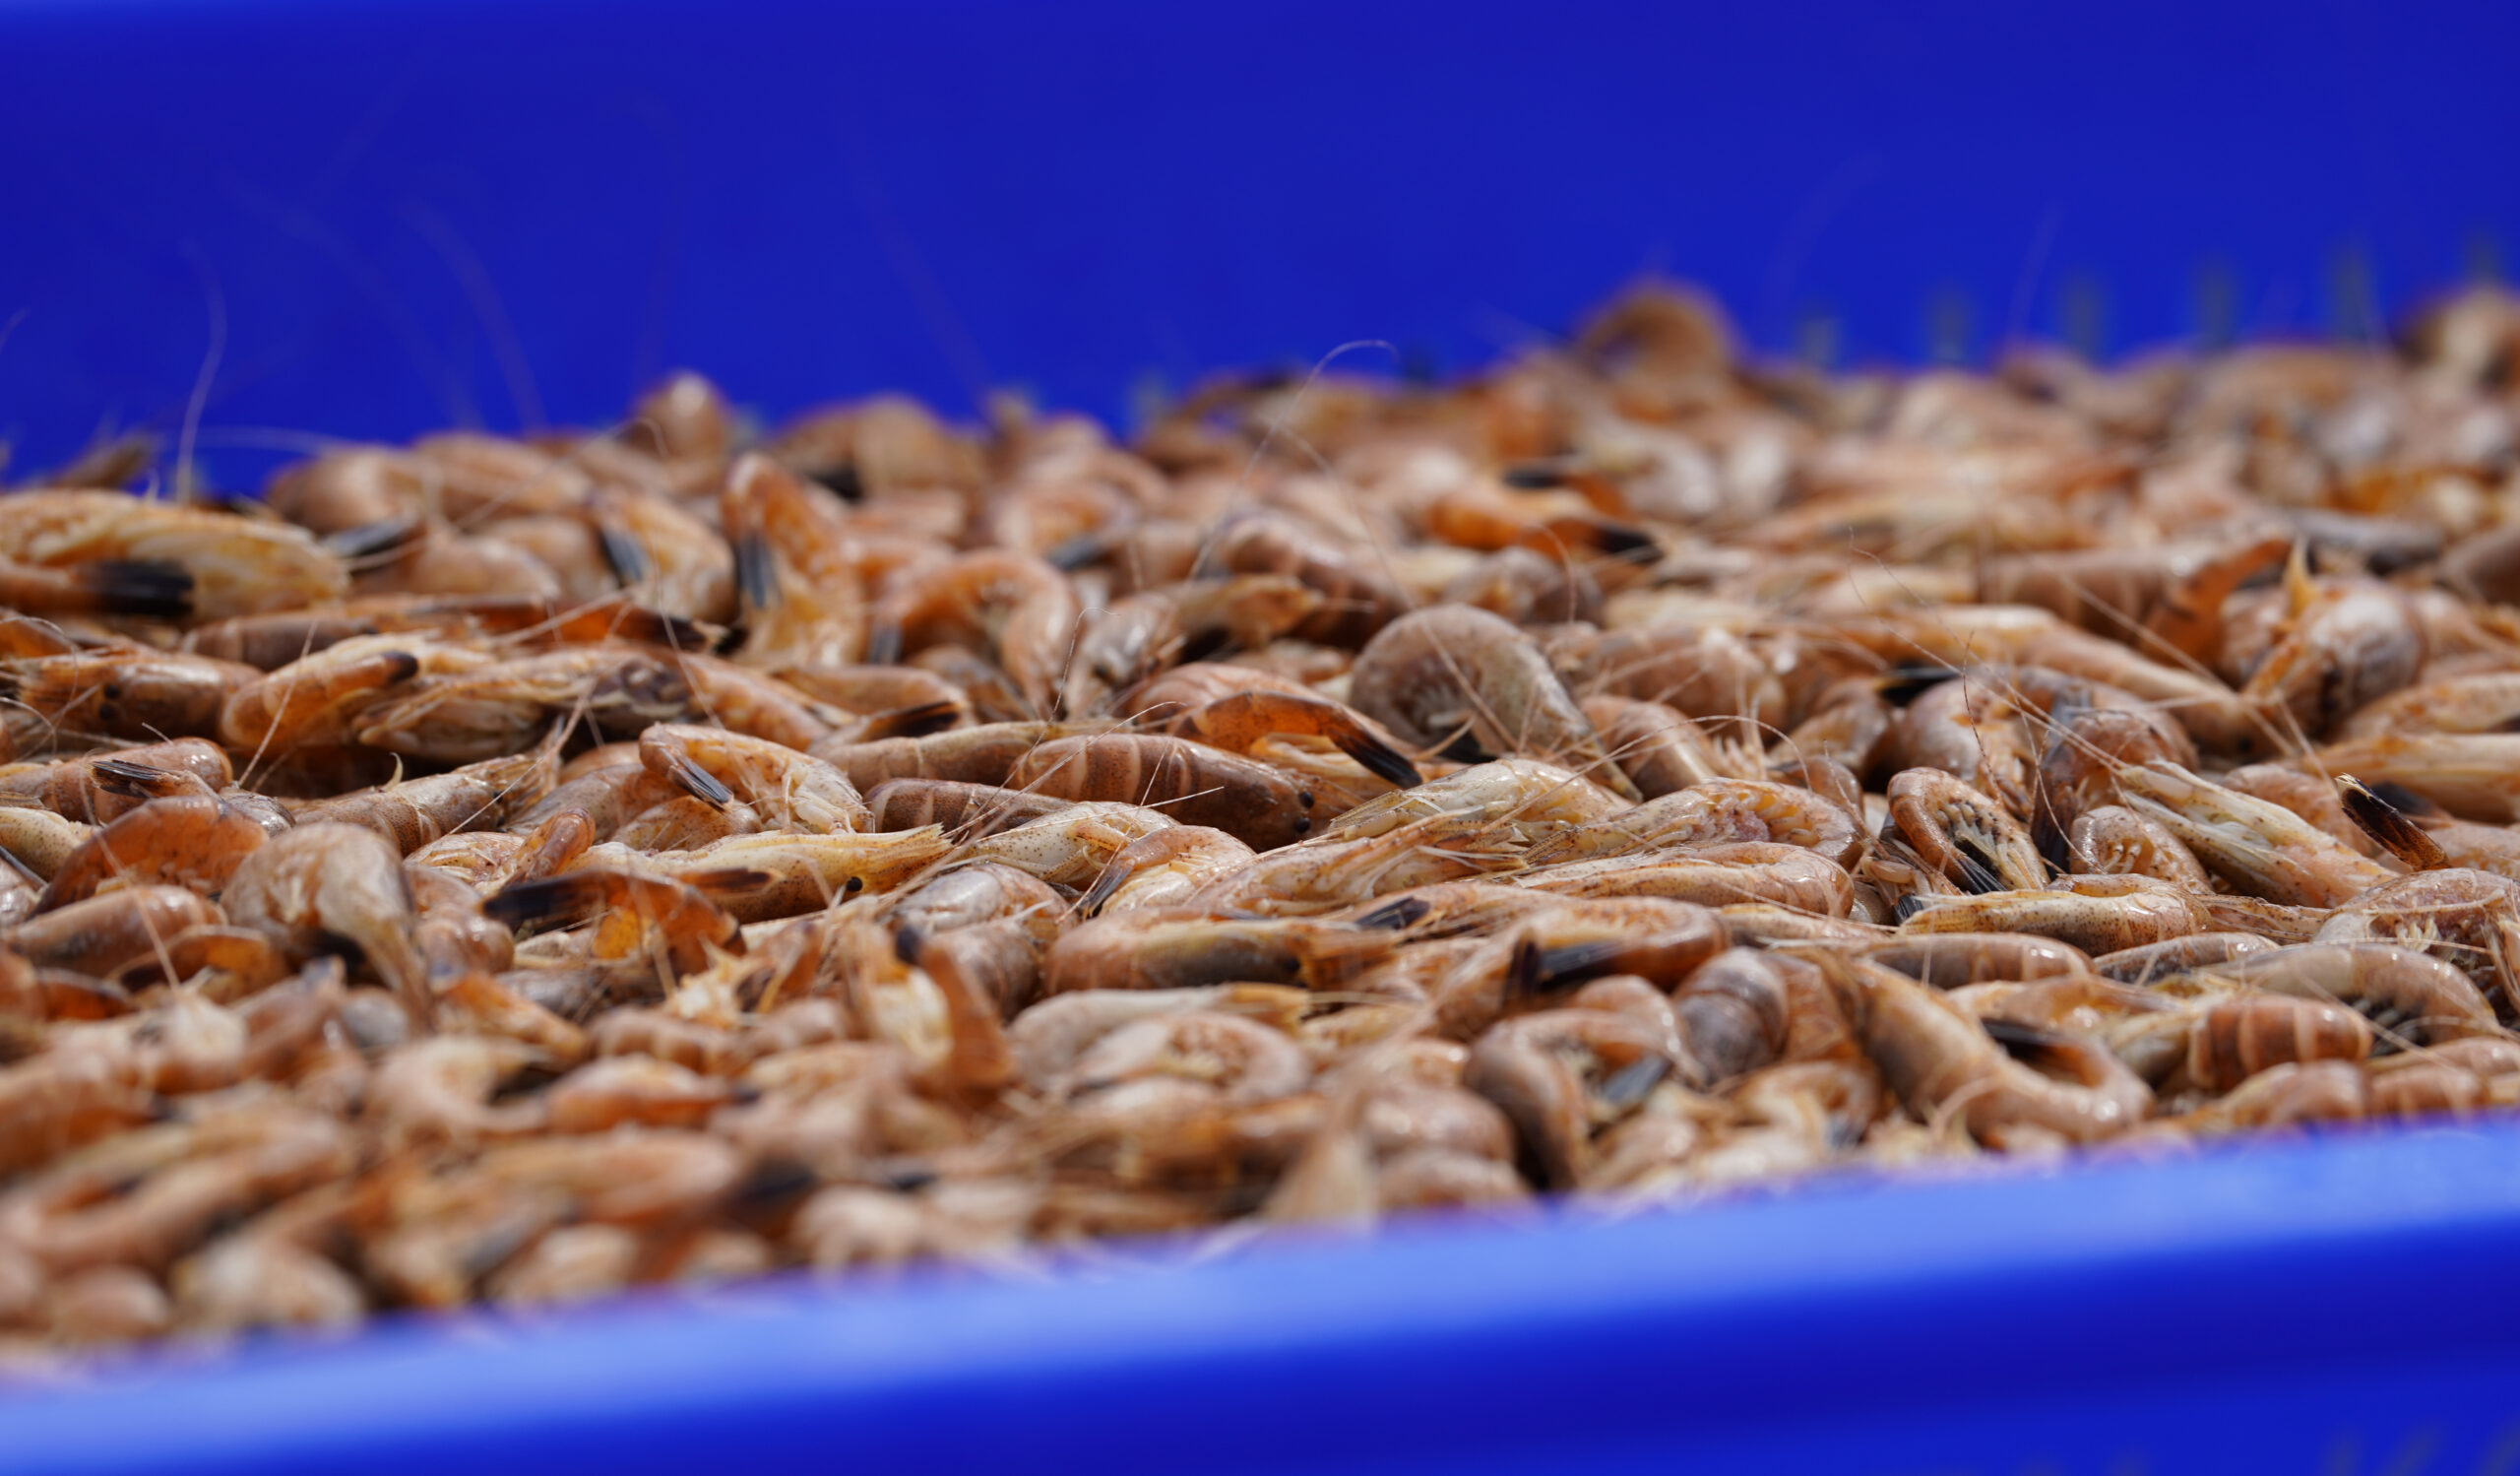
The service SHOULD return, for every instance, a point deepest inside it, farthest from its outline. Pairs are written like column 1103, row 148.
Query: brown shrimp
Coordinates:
column 1443, row 675
column 1194, row 784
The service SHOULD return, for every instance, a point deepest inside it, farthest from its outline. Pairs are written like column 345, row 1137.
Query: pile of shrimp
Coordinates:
column 514, row 869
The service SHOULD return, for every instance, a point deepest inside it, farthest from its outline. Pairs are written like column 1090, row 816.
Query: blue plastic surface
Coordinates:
column 412, row 213
column 372, row 219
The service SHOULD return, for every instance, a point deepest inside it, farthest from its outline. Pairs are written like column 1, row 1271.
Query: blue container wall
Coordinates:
column 371, row 219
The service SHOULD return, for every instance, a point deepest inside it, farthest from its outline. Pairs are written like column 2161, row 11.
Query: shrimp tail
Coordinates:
column 2389, row 825
column 697, row 781
column 137, row 587
column 132, row 781
column 571, row 897
column 1379, row 758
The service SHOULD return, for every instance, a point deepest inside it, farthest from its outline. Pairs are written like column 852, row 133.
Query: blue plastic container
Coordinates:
column 274, row 221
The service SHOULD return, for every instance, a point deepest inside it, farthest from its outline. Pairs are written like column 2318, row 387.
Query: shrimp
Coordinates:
column 2002, row 1084
column 1140, row 634
column 974, row 809
column 330, row 880
column 1019, row 608
column 192, row 842
column 2095, row 914
column 41, row 841
column 2350, row 644
column 1717, row 875
column 1719, row 812
column 985, row 754
column 791, row 791
column 1358, row 598
column 1440, row 675
column 1070, row 848
column 126, row 692
column 1524, row 798
column 774, row 875
column 98, row 936
column 2466, row 918
column 2113, row 840
column 1659, row 750
column 2472, row 775
column 2487, row 702
column 418, row 811
column 1196, row 785
column 1237, row 721
column 1164, row 869
column 320, row 699
column 98, row 788
column 1962, row 834
column 1153, row 949
column 1562, row 1076
column 2410, row 998
column 492, row 710
column 2256, row 845
column 236, row 566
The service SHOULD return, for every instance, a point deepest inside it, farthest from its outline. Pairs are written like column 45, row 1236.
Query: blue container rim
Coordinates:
column 1715, row 1320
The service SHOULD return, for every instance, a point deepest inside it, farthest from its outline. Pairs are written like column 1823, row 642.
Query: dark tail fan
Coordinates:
column 137, row 587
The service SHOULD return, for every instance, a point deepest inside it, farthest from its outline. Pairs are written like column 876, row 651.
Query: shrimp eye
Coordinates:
column 1302, row 824
column 1303, row 800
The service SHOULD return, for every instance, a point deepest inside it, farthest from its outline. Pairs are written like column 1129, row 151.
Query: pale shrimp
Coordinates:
column 2095, row 914
column 1562, row 1076
column 788, row 790
column 1710, row 674
column 2472, row 775
column 102, row 933
column 966, row 896
column 1142, row 633
column 2256, row 845
column 1955, row 960
column 237, row 565
column 2349, row 644
column 1238, row 722
column 1524, row 799
column 2148, row 962
column 1358, row 598
column 2466, row 918
column 1072, row 846
column 38, row 840
column 1714, row 812
column 1717, row 875
column 2113, row 839
column 501, row 708
column 1658, row 748
column 1164, row 869
column 2410, row 999
column 2489, row 702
